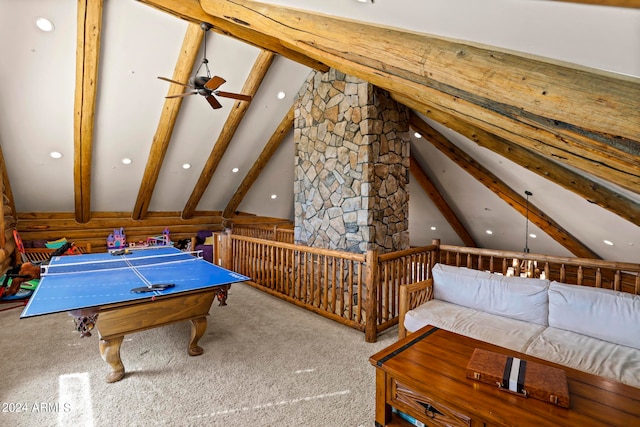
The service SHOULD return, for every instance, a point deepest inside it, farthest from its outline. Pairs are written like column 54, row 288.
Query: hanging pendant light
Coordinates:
column 526, row 226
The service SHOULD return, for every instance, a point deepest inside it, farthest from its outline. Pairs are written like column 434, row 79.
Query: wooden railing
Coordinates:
column 619, row 276
column 358, row 290
column 275, row 232
column 362, row 290
column 395, row 269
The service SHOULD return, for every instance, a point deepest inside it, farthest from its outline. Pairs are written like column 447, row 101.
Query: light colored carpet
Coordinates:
column 265, row 363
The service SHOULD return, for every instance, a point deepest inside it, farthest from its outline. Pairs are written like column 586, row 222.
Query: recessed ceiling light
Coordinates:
column 55, row 154
column 186, row 166
column 417, row 135
column 364, row 1
column 489, row 232
column 433, row 228
column 234, row 170
column 281, row 95
column 273, row 196
column 533, row 236
column 44, row 24
column 608, row 242
column 127, row 161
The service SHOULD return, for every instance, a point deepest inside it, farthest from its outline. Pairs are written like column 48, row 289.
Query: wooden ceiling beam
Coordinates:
column 588, row 116
column 269, row 149
column 190, row 10
column 439, row 201
column 502, row 190
column 258, row 71
column 635, row 4
column 184, row 66
column 583, row 186
column 89, row 27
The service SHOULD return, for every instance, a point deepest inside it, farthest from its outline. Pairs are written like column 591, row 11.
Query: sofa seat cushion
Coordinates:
column 603, row 358
column 503, row 331
column 519, row 298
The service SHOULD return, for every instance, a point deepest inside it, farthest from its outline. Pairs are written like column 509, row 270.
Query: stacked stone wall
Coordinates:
column 351, row 166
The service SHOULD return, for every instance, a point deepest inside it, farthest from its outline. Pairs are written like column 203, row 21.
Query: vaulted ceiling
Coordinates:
column 508, row 96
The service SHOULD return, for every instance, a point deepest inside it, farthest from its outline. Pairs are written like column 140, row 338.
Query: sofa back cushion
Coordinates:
column 599, row 313
column 519, row 298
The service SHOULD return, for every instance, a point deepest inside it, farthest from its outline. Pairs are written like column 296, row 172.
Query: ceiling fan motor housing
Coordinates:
column 199, row 81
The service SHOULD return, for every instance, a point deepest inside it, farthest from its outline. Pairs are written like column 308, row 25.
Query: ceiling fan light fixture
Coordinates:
column 44, row 24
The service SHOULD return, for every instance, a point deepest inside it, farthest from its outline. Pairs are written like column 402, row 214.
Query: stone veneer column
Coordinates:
column 351, row 166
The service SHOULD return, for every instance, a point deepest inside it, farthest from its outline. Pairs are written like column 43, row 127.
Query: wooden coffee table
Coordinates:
column 423, row 375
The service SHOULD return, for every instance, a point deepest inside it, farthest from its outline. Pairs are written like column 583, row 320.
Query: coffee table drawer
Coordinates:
column 426, row 409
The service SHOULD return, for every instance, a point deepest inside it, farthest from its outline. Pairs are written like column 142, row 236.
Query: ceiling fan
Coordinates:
column 206, row 86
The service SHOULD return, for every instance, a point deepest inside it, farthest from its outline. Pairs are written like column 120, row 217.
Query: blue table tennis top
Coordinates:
column 108, row 279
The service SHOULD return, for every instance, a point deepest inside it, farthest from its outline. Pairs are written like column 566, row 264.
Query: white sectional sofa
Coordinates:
column 590, row 329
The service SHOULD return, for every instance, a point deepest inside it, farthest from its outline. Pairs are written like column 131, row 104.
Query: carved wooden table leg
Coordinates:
column 198, row 327
column 110, row 352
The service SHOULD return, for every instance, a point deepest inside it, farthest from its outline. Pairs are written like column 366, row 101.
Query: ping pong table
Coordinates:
column 130, row 291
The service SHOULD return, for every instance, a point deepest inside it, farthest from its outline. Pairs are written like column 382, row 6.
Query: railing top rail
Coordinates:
column 316, row 251
column 585, row 262
column 399, row 254
column 265, row 225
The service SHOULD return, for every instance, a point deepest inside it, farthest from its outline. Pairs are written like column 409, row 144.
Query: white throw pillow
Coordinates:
column 519, row 298
column 599, row 313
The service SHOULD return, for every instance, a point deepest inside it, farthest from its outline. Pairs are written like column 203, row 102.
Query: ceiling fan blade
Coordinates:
column 173, row 81
column 214, row 83
column 181, row 95
column 237, row 96
column 213, row 102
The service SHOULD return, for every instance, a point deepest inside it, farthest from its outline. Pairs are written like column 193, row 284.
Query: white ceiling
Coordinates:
column 139, row 43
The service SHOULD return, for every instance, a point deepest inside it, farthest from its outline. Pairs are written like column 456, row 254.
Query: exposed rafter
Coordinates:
column 190, row 10
column 581, row 185
column 269, row 149
column 87, row 59
column 259, row 70
column 439, row 201
column 635, row 4
column 554, row 108
column 184, row 66
column 502, row 190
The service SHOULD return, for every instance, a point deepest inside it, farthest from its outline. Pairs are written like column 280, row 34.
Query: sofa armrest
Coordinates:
column 411, row 296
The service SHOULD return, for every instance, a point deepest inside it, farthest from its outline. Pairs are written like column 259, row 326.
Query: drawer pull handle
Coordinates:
column 429, row 410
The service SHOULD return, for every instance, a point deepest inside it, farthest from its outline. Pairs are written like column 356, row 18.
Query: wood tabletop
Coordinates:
column 433, row 362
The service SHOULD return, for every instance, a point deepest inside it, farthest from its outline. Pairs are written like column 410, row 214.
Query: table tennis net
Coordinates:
column 133, row 260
